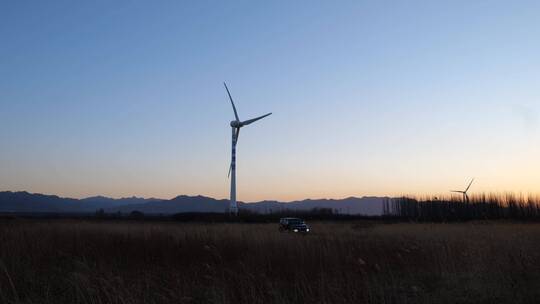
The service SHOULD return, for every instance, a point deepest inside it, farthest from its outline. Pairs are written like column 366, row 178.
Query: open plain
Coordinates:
column 87, row 261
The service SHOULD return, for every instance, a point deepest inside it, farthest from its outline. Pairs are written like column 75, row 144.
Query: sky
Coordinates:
column 126, row 98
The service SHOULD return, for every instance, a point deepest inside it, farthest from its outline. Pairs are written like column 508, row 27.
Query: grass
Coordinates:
column 76, row 261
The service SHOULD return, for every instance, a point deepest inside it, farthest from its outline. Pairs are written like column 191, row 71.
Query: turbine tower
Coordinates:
column 465, row 196
column 235, row 127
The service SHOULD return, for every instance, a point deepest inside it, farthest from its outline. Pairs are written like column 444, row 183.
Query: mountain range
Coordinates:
column 24, row 202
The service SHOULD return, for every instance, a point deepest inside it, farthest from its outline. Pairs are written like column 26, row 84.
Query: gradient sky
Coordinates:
column 123, row 98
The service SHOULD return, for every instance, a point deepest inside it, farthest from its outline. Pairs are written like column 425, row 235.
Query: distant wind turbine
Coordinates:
column 465, row 196
column 235, row 126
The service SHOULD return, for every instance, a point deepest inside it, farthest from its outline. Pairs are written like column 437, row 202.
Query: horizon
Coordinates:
column 421, row 197
column 368, row 99
column 196, row 195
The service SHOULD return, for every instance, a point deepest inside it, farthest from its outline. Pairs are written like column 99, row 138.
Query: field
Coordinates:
column 84, row 261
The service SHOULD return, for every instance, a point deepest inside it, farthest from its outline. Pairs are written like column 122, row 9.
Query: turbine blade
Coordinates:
column 456, row 191
column 249, row 121
column 232, row 102
column 472, row 180
column 230, row 168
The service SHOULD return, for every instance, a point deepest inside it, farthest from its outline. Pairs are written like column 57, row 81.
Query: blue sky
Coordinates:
column 369, row 98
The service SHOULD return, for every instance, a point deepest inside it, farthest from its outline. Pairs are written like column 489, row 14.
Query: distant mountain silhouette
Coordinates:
column 102, row 202
column 183, row 203
column 350, row 205
column 29, row 202
column 178, row 204
column 40, row 203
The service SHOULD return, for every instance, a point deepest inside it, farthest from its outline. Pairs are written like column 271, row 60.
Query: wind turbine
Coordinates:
column 465, row 196
column 235, row 126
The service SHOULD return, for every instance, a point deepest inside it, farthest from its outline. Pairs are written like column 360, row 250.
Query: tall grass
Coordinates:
column 455, row 208
column 75, row 261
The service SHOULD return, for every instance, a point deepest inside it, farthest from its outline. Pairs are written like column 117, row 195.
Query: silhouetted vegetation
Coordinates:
column 136, row 214
column 248, row 216
column 479, row 207
column 100, row 213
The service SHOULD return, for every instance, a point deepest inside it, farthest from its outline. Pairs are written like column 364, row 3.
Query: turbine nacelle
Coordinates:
column 236, row 124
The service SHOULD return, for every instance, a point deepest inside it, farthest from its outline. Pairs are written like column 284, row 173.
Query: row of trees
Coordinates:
column 478, row 207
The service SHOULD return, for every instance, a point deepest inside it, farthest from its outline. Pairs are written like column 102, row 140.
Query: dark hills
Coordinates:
column 24, row 202
column 40, row 203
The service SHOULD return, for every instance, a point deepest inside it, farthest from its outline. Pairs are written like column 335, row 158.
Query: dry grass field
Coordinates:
column 76, row 261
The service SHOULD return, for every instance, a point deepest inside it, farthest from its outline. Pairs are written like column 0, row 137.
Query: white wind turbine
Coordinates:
column 465, row 196
column 235, row 126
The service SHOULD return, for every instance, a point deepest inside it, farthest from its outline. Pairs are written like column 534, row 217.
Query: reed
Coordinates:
column 82, row 261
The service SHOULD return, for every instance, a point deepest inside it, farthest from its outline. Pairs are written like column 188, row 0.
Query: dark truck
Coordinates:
column 292, row 224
